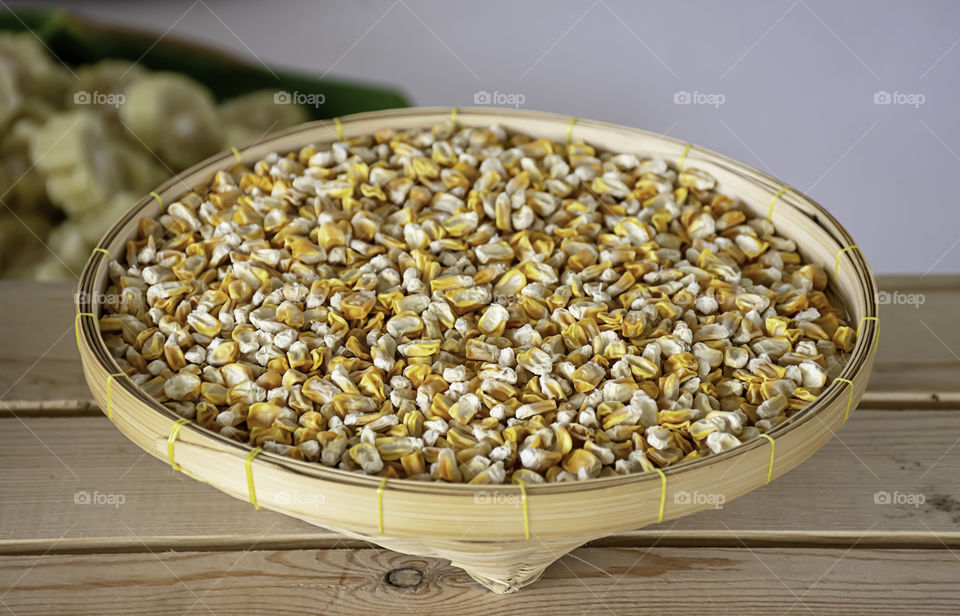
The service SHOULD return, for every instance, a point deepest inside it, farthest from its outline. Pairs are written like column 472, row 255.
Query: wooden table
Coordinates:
column 91, row 524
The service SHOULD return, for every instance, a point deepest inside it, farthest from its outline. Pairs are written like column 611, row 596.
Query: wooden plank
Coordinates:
column 588, row 581
column 39, row 358
column 815, row 534
column 919, row 341
column 55, row 465
column 917, row 367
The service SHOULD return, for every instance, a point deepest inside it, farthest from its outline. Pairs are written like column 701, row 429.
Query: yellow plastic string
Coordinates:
column 453, row 115
column 836, row 269
column 526, row 511
column 846, row 414
column 774, row 200
column 109, row 397
column 76, row 324
column 683, row 156
column 236, row 154
column 380, row 504
column 248, row 467
column 860, row 324
column 157, row 197
column 174, row 431
column 104, row 251
column 339, row 125
column 570, row 129
column 770, row 465
column 663, row 493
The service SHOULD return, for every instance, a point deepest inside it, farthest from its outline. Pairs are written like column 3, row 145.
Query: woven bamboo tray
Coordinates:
column 503, row 536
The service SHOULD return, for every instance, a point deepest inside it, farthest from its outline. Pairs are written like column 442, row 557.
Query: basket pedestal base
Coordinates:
column 502, row 567
column 507, row 581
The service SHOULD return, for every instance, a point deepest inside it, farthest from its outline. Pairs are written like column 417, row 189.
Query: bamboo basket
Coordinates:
column 503, row 536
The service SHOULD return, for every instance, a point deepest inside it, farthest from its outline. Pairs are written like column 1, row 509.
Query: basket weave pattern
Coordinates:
column 484, row 529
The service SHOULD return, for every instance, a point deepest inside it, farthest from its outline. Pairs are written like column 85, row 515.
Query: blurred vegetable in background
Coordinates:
column 93, row 117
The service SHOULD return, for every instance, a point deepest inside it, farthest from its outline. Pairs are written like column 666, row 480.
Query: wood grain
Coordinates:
column 819, row 521
column 587, row 581
column 828, row 500
column 918, row 364
column 39, row 359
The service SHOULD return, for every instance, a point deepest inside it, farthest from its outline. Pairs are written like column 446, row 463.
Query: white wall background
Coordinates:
column 798, row 79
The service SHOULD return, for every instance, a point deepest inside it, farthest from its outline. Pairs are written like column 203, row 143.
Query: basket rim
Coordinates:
column 88, row 331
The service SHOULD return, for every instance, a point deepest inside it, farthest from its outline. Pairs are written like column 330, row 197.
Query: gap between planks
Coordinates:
column 632, row 539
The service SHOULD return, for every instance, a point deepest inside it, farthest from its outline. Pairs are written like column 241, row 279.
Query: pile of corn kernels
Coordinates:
column 78, row 147
column 465, row 304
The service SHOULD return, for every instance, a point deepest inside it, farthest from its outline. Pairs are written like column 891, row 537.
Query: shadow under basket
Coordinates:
column 504, row 536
